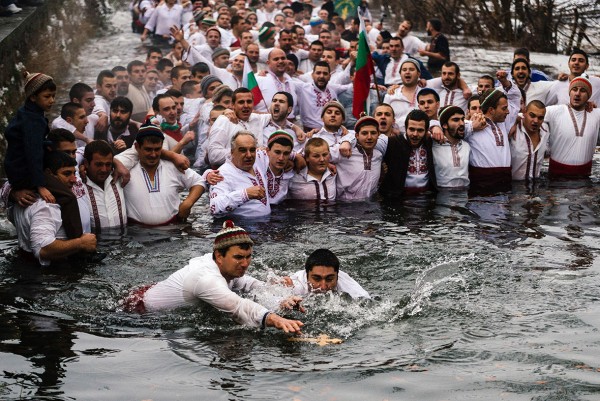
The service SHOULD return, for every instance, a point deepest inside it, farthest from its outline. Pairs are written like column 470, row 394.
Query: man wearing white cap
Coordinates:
column 217, row 278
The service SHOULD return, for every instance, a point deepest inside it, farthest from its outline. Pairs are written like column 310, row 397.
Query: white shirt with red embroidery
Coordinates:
column 312, row 99
column 305, row 186
column 107, row 204
column 157, row 202
column 451, row 164
column 448, row 96
column 277, row 185
column 573, row 134
column 392, row 70
column 417, row 175
column 357, row 176
column 229, row 197
column 526, row 159
column 489, row 146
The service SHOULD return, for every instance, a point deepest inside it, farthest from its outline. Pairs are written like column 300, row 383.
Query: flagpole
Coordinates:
column 362, row 23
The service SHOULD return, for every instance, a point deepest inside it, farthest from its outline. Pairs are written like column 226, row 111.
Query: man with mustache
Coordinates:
column 228, row 124
column 121, row 131
column 152, row 195
column 451, row 157
column 529, row 143
column 242, row 192
column 312, row 97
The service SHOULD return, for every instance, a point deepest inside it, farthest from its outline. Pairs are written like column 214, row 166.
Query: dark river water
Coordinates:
column 480, row 298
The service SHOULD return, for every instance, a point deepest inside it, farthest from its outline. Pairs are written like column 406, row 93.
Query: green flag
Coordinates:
column 346, row 8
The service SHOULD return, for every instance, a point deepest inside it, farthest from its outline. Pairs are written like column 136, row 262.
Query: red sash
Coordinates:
column 490, row 178
column 135, row 300
column 556, row 169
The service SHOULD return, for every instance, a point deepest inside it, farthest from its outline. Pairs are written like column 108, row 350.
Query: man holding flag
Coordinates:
column 364, row 71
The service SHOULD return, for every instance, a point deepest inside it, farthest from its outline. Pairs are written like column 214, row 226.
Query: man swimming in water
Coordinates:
column 216, row 278
column 322, row 273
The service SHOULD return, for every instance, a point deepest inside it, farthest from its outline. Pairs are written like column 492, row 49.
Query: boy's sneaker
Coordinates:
column 11, row 9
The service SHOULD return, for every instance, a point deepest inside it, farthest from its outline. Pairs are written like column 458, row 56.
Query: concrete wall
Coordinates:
column 44, row 39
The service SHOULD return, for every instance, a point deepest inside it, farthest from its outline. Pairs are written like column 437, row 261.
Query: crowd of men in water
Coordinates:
column 122, row 150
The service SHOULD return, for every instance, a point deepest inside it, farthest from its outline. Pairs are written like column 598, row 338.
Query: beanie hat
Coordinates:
column 206, row 81
column 231, row 235
column 365, row 120
column 581, row 82
column 265, row 33
column 490, row 97
column 280, row 134
column 219, row 90
column 314, row 21
column 148, row 129
column 334, row 103
column 412, row 60
column 294, row 59
column 447, row 112
column 219, row 51
column 209, row 22
column 198, row 15
column 33, row 82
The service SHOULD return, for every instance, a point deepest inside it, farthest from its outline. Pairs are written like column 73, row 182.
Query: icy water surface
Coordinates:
column 481, row 298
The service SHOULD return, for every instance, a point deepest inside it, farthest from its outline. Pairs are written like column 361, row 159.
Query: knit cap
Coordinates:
column 265, row 33
column 334, row 103
column 206, row 81
column 209, row 22
column 219, row 51
column 365, row 120
column 447, row 112
column 34, row 81
column 413, row 61
column 581, row 82
column 314, row 21
column 148, row 129
column 280, row 134
column 198, row 15
column 231, row 235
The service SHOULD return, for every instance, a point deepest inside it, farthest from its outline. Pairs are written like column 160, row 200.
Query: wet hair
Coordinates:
column 579, row 51
column 321, row 63
column 313, row 143
column 452, row 64
column 79, row 90
column 98, row 146
column 322, row 257
column 69, row 109
column 134, row 63
column 104, row 74
column 521, row 51
column 239, row 90
column 188, row 87
column 417, row 115
column 123, row 103
column 292, row 57
column 157, row 99
column 223, row 251
column 163, row 63
column 59, row 135
column 153, row 49
column 289, row 97
column 200, row 67
column 56, row 160
column 428, row 91
column 435, row 23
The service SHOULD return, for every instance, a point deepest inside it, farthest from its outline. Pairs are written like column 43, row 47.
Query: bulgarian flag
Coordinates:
column 249, row 81
column 364, row 72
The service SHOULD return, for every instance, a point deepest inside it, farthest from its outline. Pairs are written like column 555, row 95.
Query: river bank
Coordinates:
column 48, row 39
